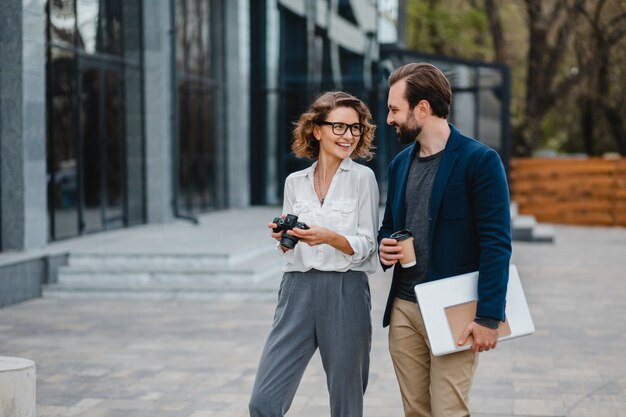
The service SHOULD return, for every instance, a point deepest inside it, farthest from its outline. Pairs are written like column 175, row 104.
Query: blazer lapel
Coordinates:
column 448, row 159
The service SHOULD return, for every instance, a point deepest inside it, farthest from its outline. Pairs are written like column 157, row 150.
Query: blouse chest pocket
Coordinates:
column 302, row 209
column 343, row 216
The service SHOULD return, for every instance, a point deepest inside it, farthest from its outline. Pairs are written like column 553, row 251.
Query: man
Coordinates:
column 451, row 192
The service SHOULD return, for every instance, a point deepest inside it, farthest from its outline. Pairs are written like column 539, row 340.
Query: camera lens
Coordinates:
column 288, row 241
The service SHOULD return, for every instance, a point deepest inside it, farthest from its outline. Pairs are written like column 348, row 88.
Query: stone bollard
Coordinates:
column 17, row 387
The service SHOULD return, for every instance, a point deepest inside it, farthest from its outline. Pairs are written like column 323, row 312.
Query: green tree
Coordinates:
column 448, row 27
column 567, row 59
column 602, row 96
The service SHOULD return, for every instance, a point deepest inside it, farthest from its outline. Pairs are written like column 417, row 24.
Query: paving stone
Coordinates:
column 198, row 358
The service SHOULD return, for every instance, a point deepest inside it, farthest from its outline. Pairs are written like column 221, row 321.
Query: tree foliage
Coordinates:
column 568, row 62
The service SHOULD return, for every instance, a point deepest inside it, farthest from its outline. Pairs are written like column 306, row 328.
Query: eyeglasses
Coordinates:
column 340, row 129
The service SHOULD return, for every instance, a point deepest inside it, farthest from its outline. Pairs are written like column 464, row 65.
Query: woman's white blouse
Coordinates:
column 350, row 208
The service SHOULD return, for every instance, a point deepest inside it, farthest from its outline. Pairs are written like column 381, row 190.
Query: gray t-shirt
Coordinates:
column 417, row 200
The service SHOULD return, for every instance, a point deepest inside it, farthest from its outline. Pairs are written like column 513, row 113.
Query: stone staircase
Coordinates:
column 179, row 261
column 524, row 228
column 252, row 272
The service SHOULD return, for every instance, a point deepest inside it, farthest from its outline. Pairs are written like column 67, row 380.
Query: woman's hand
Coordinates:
column 315, row 235
column 275, row 235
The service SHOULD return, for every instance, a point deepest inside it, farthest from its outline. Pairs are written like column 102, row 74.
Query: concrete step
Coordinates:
column 180, row 275
column 139, row 262
column 150, row 294
column 179, row 285
column 514, row 207
column 166, row 279
column 524, row 228
column 166, row 267
column 167, row 262
column 543, row 233
column 157, row 284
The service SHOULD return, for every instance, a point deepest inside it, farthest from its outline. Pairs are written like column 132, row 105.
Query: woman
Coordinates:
column 324, row 297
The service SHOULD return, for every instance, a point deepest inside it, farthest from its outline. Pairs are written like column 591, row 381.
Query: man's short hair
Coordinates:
column 425, row 82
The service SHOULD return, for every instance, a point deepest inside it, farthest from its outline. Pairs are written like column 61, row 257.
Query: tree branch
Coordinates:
column 562, row 88
column 495, row 26
column 557, row 51
column 618, row 33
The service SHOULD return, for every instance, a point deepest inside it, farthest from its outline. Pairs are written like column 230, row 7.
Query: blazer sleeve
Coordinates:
column 490, row 199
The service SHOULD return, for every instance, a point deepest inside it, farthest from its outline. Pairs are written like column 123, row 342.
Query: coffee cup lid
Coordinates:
column 401, row 234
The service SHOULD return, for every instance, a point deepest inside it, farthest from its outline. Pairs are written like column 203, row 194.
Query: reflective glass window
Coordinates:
column 197, row 87
column 62, row 149
column 99, row 25
column 62, row 22
column 91, row 146
column 95, row 116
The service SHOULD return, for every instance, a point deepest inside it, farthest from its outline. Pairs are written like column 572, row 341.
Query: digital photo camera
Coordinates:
column 288, row 223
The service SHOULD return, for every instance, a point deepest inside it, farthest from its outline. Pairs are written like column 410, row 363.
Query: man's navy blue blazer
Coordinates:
column 469, row 220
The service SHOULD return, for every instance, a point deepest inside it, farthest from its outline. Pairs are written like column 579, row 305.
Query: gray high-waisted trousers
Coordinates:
column 325, row 310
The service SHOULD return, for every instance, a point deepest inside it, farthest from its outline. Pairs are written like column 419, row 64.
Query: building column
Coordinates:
column 159, row 108
column 23, row 199
column 237, row 98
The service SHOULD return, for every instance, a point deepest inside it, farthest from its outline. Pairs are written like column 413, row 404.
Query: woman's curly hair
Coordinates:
column 305, row 145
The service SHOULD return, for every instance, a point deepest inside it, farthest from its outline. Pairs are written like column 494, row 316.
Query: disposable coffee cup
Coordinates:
column 405, row 241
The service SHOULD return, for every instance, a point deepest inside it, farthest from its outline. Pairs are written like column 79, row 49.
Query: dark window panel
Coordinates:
column 62, row 144
column 114, row 142
column 195, row 47
column 92, row 150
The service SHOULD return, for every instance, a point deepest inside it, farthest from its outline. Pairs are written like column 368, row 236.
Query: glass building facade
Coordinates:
column 115, row 113
column 94, row 116
column 194, row 111
column 312, row 47
column 199, row 90
column 301, row 49
column 96, row 150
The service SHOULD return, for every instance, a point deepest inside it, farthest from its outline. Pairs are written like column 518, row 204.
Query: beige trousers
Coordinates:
column 431, row 386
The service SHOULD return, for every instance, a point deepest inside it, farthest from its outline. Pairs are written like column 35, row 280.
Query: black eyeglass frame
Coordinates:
column 359, row 126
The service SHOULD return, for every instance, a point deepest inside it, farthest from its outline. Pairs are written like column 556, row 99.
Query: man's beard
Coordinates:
column 407, row 135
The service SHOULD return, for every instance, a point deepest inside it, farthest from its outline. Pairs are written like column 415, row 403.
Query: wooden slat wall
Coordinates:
column 588, row 191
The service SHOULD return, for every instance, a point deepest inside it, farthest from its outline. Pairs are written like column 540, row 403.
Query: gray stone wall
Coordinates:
column 21, row 281
column 237, row 64
column 22, row 132
column 158, row 109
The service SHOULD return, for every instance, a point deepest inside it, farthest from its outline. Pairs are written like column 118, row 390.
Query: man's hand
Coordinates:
column 484, row 337
column 390, row 252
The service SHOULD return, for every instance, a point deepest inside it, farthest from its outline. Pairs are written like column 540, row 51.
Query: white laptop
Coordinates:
column 443, row 302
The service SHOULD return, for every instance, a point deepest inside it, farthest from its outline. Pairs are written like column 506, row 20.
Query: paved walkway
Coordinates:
column 194, row 358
